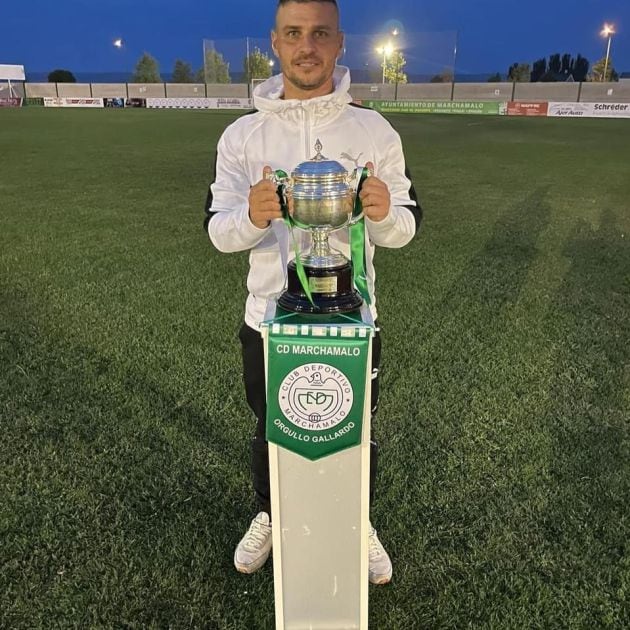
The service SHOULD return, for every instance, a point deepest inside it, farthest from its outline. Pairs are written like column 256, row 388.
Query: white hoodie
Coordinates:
column 281, row 134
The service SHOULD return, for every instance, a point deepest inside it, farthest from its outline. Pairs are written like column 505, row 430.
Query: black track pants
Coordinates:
column 254, row 376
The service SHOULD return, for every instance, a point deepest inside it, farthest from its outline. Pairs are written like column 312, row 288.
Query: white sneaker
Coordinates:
column 253, row 550
column 380, row 564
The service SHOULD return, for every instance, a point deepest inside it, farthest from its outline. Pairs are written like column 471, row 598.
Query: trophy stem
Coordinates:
column 320, row 248
column 321, row 255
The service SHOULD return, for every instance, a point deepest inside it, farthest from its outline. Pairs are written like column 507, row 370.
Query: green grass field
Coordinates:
column 504, row 488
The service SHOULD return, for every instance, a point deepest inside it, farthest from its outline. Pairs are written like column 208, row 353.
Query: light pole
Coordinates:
column 397, row 53
column 397, row 74
column 249, row 70
column 608, row 31
column 271, row 64
column 454, row 65
column 386, row 51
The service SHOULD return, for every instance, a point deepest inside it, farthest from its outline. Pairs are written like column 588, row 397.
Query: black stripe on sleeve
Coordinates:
column 417, row 209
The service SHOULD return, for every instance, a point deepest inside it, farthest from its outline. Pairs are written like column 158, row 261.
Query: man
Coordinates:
column 309, row 101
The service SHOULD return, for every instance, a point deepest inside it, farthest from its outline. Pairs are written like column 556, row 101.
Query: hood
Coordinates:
column 268, row 98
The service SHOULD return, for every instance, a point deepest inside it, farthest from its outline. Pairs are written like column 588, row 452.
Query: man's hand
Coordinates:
column 264, row 204
column 375, row 197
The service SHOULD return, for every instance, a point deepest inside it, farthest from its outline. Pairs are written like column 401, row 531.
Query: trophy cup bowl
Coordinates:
column 323, row 199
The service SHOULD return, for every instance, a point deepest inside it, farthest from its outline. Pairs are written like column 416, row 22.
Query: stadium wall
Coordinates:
column 40, row 90
column 74, row 90
column 231, row 90
column 483, row 92
column 146, row 90
column 540, row 92
column 406, row 92
column 496, row 92
column 109, row 90
column 365, row 92
column 185, row 90
column 605, row 92
column 425, row 91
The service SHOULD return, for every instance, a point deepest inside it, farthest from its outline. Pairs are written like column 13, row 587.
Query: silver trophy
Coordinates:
column 321, row 196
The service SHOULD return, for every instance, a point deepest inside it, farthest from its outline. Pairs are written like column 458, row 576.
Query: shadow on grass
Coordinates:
column 118, row 503
column 464, row 326
column 521, row 495
column 520, row 491
column 447, row 425
column 587, row 523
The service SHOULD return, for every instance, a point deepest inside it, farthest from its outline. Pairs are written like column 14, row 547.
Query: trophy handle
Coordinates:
column 284, row 185
column 356, row 176
column 279, row 178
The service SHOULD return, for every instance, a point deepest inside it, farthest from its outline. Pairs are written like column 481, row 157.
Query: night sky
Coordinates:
column 490, row 34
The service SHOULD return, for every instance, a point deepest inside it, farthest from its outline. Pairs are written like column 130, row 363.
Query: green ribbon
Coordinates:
column 357, row 244
column 290, row 223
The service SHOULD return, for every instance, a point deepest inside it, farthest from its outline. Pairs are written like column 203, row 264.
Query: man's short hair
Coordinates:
column 283, row 2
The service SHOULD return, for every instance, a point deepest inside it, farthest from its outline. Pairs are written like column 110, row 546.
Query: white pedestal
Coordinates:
column 320, row 516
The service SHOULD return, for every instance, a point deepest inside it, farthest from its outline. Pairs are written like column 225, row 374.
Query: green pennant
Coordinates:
column 316, row 387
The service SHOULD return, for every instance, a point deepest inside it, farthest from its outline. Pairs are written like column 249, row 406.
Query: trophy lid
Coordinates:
column 319, row 167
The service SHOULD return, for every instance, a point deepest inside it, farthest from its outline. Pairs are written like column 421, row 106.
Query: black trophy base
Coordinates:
column 332, row 291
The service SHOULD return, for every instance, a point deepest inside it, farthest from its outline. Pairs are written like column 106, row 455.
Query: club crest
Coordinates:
column 315, row 396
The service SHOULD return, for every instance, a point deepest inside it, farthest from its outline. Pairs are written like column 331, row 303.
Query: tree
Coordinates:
column 519, row 73
column 555, row 64
column 393, row 68
column 580, row 68
column 560, row 68
column 182, row 72
column 257, row 65
column 147, row 70
column 61, row 76
column 548, row 77
column 215, row 70
column 567, row 65
column 495, row 78
column 439, row 78
column 538, row 70
column 598, row 71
